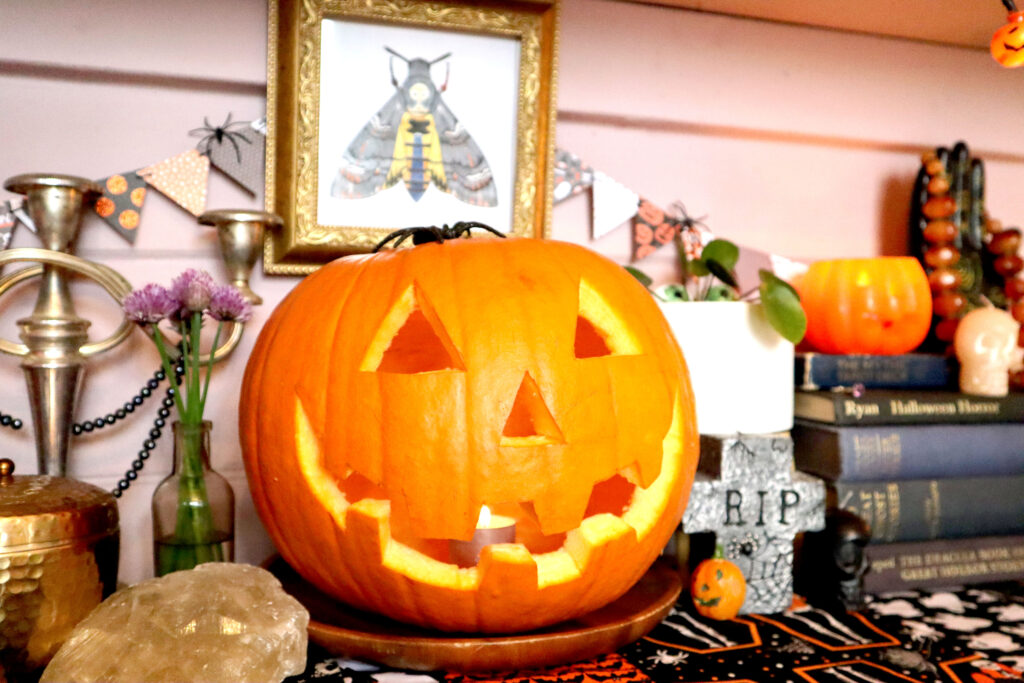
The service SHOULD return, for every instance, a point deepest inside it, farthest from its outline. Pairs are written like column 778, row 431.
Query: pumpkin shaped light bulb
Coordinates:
column 390, row 396
column 1007, row 46
column 871, row 305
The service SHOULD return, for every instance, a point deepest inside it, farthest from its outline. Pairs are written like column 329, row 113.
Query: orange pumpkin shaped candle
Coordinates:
column 718, row 588
column 392, row 395
column 871, row 306
column 1007, row 46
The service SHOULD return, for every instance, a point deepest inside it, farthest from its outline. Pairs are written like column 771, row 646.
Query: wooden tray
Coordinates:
column 345, row 631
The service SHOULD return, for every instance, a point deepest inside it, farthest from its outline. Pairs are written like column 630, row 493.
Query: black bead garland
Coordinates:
column 154, row 434
column 121, row 413
column 10, row 421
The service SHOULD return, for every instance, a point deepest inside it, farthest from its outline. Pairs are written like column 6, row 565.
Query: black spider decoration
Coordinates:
column 686, row 222
column 432, row 233
column 218, row 134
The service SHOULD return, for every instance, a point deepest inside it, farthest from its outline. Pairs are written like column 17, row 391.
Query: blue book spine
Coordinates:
column 911, row 370
column 926, row 509
column 853, row 454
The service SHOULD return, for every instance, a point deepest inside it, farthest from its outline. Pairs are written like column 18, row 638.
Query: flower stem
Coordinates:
column 209, row 368
column 165, row 361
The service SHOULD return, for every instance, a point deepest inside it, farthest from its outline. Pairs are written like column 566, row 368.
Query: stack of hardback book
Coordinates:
column 938, row 475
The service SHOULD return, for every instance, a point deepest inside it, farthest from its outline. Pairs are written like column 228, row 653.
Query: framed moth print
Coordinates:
column 386, row 114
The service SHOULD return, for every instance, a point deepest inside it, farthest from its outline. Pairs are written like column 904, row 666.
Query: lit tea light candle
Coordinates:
column 490, row 529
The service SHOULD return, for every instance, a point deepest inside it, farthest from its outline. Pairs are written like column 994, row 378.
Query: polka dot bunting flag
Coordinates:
column 182, row 179
column 121, row 203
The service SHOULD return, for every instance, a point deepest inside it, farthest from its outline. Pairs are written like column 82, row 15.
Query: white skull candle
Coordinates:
column 984, row 343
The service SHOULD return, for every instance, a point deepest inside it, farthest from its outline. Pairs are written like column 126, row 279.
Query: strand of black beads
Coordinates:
column 10, row 421
column 124, row 411
column 154, row 434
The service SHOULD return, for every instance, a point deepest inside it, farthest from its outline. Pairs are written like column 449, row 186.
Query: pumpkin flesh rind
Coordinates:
column 348, row 549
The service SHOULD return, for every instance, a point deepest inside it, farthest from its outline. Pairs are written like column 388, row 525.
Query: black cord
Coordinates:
column 1010, row 5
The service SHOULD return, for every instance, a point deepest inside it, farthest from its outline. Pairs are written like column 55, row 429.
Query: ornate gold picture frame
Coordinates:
column 384, row 114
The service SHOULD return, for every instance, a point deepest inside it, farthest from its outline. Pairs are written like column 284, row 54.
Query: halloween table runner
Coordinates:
column 973, row 635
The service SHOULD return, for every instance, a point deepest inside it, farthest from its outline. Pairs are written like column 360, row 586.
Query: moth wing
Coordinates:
column 367, row 160
column 468, row 174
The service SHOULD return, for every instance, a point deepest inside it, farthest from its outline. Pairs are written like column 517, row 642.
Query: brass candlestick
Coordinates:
column 241, row 240
column 55, row 344
column 54, row 350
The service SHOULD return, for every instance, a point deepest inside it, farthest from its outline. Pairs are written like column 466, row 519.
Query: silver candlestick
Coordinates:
column 55, row 339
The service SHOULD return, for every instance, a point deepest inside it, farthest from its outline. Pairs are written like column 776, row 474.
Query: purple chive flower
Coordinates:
column 193, row 289
column 228, row 304
column 151, row 304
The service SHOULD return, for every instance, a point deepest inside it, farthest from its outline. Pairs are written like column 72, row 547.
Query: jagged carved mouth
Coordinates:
column 619, row 509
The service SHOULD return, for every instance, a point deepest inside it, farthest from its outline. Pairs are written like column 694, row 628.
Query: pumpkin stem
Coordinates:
column 424, row 234
column 719, row 553
column 1010, row 5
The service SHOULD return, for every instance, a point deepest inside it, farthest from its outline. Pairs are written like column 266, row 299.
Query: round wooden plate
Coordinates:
column 345, row 631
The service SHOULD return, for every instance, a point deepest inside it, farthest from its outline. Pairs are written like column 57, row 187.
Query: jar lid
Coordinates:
column 40, row 510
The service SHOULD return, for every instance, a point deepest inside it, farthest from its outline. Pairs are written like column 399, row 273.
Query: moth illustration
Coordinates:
column 416, row 139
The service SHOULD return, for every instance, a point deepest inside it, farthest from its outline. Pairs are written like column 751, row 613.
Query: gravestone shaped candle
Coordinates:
column 747, row 493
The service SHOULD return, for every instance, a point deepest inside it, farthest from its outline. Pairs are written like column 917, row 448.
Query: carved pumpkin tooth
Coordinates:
column 596, row 536
column 562, row 508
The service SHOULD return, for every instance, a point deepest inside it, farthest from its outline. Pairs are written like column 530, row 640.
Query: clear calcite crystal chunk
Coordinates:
column 217, row 622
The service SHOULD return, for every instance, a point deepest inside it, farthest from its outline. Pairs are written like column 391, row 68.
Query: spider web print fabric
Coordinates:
column 968, row 636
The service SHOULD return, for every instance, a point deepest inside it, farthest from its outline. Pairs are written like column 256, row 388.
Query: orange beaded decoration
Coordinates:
column 941, row 255
column 971, row 260
column 1003, row 245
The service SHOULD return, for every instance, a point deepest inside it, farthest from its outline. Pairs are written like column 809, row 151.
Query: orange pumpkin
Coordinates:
column 391, row 396
column 874, row 306
column 1007, row 45
column 718, row 588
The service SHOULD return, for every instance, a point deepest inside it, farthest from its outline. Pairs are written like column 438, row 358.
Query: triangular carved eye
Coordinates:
column 530, row 422
column 599, row 329
column 411, row 339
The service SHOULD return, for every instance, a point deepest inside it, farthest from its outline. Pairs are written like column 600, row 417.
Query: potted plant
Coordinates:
column 738, row 345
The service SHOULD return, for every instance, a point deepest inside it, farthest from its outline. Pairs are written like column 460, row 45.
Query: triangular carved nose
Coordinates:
column 530, row 422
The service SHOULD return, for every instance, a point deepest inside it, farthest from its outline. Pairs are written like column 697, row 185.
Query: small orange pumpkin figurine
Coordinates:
column 718, row 588
column 1007, row 45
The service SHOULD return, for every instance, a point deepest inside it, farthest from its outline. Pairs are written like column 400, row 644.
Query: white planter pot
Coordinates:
column 740, row 367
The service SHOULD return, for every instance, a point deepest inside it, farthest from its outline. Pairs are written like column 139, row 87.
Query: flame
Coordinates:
column 487, row 520
column 484, row 521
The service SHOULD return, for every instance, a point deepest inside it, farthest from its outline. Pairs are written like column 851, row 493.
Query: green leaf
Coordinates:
column 782, row 307
column 641, row 276
column 722, row 273
column 723, row 251
column 720, row 293
column 699, row 268
column 675, row 292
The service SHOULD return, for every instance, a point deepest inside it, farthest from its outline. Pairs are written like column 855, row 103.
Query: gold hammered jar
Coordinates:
column 58, row 560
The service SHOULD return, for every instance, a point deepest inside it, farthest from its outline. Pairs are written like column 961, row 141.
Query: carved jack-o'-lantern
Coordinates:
column 718, row 588
column 1007, row 45
column 391, row 396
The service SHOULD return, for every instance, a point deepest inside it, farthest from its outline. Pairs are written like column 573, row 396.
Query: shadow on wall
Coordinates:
column 894, row 215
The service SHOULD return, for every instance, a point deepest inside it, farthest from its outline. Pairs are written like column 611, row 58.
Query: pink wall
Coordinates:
column 794, row 140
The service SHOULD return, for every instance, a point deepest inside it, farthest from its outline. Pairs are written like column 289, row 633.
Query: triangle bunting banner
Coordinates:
column 182, row 179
